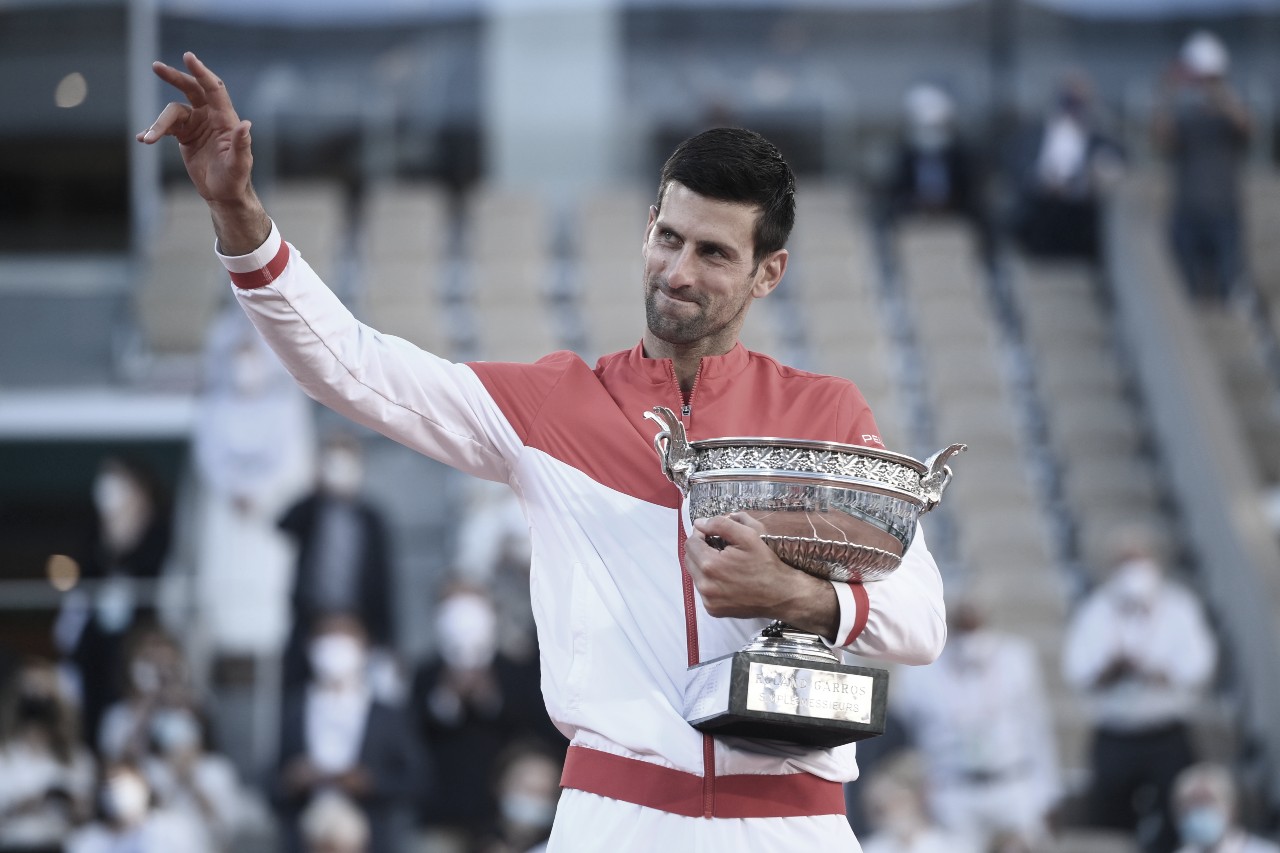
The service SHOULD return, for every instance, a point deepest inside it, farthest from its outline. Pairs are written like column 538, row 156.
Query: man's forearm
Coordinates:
column 240, row 226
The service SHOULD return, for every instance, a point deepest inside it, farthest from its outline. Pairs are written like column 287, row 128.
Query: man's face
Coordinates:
column 700, row 274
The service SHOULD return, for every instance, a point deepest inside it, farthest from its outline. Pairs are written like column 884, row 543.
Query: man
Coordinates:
column 1204, row 128
column 343, row 564
column 625, row 599
column 1204, row 798
column 336, row 736
column 1062, row 167
column 1140, row 650
column 981, row 718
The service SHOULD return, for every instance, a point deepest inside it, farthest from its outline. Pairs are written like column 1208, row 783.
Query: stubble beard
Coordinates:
column 682, row 331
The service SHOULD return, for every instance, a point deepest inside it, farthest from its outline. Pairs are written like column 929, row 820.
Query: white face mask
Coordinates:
column 126, row 799
column 175, row 730
column 1203, row 826
column 336, row 658
column 341, row 473
column 467, row 632
column 1138, row 581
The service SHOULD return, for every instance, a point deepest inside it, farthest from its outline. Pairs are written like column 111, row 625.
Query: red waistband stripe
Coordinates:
column 264, row 276
column 677, row 792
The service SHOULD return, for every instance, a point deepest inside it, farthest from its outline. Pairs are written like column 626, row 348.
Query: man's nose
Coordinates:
column 680, row 270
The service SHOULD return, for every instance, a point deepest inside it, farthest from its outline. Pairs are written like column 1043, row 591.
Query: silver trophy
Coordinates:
column 840, row 512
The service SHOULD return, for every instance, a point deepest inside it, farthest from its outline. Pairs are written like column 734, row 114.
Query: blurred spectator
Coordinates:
column 934, row 171
column 130, row 545
column 1204, row 127
column 527, row 789
column 247, row 476
column 493, row 553
column 1062, row 167
column 130, row 822
column 187, row 778
column 1139, row 649
column 158, row 681
column 343, row 564
column 46, row 773
column 337, row 737
column 980, row 717
column 469, row 703
column 901, row 823
column 1204, row 799
column 334, row 824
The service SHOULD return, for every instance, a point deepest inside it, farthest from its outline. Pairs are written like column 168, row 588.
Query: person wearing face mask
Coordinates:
column 343, row 562
column 158, row 680
column 527, row 788
column 900, row 820
column 333, row 824
column 1062, row 167
column 1204, row 799
column 1140, row 651
column 980, row 718
column 245, row 478
column 187, row 778
column 46, row 774
column 935, row 172
column 337, row 736
column 130, row 822
column 130, row 545
column 469, row 702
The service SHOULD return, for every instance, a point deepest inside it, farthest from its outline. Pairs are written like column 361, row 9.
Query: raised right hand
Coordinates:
column 214, row 141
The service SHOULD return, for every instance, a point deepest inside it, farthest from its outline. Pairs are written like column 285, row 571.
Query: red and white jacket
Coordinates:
column 619, row 622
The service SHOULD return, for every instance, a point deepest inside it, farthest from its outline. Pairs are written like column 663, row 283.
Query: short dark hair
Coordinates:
column 733, row 164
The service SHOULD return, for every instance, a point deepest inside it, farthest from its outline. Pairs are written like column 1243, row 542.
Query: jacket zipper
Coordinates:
column 691, row 615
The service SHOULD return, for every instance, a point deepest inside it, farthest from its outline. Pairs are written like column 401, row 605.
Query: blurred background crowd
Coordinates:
column 1046, row 228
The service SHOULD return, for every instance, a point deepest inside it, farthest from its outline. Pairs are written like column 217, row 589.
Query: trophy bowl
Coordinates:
column 841, row 512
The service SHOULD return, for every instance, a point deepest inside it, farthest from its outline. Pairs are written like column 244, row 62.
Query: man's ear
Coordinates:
column 769, row 273
column 653, row 217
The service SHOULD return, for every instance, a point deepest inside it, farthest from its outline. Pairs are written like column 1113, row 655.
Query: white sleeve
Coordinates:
column 423, row 401
column 901, row 618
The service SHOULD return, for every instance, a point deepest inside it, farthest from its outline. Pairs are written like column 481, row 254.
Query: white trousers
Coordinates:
column 589, row 823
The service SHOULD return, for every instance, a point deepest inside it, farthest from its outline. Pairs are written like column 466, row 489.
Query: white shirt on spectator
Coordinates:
column 162, row 832
column 980, row 718
column 335, row 721
column 28, row 774
column 1162, row 630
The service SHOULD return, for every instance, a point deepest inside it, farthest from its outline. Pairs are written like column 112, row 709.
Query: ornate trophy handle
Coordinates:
column 672, row 445
column 934, row 483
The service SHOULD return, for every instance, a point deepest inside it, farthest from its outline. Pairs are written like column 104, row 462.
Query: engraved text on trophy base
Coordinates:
column 809, row 692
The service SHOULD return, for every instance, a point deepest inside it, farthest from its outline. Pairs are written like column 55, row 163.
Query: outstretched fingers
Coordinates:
column 183, row 82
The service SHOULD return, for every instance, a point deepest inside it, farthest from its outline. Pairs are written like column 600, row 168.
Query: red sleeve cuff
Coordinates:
column 260, row 267
column 263, row 276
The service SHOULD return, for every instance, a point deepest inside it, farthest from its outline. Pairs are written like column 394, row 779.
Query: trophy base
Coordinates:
column 800, row 698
